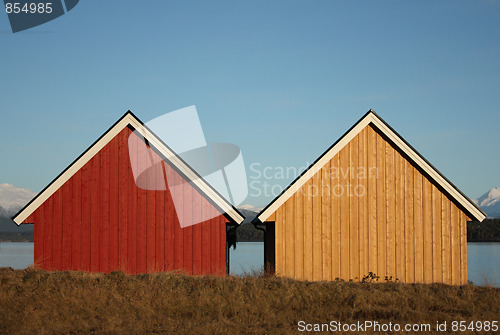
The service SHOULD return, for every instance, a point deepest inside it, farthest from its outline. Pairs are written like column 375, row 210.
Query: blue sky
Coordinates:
column 281, row 79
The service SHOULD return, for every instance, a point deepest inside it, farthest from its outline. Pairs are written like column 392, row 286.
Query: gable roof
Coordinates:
column 413, row 155
column 129, row 119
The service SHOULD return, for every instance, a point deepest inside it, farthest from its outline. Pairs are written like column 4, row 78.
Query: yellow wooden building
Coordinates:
column 370, row 203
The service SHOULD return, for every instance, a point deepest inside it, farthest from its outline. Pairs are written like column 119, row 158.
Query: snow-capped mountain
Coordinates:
column 490, row 202
column 249, row 211
column 13, row 198
column 250, row 208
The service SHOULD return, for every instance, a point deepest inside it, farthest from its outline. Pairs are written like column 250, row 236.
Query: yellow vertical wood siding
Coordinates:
column 369, row 209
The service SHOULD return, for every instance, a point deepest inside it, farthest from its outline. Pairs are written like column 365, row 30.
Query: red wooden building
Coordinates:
column 93, row 217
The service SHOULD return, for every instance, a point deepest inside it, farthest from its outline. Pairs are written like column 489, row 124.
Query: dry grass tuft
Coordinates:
column 34, row 301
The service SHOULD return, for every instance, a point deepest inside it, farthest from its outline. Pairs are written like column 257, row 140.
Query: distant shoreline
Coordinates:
column 256, row 241
column 486, row 231
column 20, row 237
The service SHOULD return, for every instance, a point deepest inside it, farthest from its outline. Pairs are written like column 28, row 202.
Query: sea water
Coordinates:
column 483, row 259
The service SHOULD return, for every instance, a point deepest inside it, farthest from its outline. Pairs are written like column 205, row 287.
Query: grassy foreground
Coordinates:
column 34, row 301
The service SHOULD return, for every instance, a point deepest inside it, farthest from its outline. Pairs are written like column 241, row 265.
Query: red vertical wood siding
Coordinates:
column 100, row 221
column 48, row 232
column 76, row 231
column 57, row 223
column 94, row 213
column 188, row 231
column 159, row 223
column 66, row 229
column 142, row 218
column 132, row 214
column 113, row 205
column 104, row 210
column 123, row 201
column 169, row 216
column 38, row 252
column 85, row 227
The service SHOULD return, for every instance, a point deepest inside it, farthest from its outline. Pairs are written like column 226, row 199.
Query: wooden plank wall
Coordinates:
column 371, row 210
column 100, row 221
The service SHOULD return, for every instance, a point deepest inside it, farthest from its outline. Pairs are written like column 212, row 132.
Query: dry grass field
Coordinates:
column 41, row 302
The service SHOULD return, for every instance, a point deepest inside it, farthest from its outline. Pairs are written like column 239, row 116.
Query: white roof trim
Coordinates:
column 126, row 120
column 372, row 118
